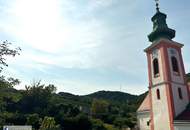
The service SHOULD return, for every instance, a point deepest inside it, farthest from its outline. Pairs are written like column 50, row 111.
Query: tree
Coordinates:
column 49, row 124
column 97, row 124
column 36, row 98
column 14, row 118
column 99, row 108
column 120, row 122
column 2, row 121
column 8, row 83
column 80, row 122
column 188, row 77
column 83, row 122
column 5, row 50
column 34, row 120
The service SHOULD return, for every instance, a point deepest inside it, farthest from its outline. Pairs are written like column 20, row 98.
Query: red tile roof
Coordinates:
column 145, row 106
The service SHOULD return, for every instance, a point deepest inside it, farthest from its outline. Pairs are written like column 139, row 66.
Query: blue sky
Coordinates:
column 83, row 46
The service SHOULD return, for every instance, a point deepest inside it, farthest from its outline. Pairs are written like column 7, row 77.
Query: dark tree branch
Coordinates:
column 5, row 50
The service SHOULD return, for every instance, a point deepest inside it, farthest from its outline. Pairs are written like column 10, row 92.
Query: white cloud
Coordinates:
column 95, row 4
column 41, row 25
column 47, row 26
column 72, row 36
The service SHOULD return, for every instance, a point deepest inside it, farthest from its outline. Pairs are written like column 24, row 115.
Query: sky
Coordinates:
column 83, row 46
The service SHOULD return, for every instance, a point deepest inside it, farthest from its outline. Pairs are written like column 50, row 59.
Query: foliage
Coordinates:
column 188, row 77
column 49, row 124
column 8, row 83
column 110, row 127
column 99, row 108
column 113, row 96
column 97, row 125
column 34, row 120
column 80, row 122
column 36, row 97
column 5, row 50
column 120, row 122
column 39, row 102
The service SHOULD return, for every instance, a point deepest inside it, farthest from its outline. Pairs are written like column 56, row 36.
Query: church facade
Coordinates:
column 166, row 106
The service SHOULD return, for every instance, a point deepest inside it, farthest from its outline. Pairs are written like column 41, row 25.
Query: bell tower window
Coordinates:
column 156, row 67
column 175, row 64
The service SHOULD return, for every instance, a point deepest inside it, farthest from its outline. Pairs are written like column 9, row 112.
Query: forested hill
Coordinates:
column 38, row 104
column 111, row 96
column 115, row 96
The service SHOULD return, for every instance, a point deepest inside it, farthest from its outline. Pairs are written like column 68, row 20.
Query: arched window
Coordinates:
column 158, row 94
column 174, row 64
column 180, row 93
column 156, row 67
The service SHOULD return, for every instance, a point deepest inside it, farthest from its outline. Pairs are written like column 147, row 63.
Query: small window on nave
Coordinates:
column 148, row 123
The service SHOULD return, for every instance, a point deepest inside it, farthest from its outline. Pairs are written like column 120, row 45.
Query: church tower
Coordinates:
column 168, row 91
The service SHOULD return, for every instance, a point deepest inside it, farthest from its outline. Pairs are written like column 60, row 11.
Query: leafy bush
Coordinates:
column 97, row 125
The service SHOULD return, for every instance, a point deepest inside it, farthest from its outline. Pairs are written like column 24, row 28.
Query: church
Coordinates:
column 167, row 104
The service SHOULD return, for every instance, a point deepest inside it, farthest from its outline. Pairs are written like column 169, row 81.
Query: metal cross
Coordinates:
column 157, row 5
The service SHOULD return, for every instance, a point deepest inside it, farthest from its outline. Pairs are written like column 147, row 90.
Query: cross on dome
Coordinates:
column 157, row 5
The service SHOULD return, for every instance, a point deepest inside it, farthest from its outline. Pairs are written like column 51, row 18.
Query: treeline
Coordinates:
column 38, row 105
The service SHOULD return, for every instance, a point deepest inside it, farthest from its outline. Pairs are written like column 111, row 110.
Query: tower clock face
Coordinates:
column 155, row 53
column 173, row 51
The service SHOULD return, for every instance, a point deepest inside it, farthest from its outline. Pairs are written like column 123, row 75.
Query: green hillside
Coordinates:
column 115, row 96
column 39, row 103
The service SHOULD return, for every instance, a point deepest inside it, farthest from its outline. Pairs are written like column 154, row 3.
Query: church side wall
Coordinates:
column 178, row 82
column 181, row 126
column 179, row 104
column 143, row 119
column 160, row 109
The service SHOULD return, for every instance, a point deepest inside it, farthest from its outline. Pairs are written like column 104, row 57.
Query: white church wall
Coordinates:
column 160, row 109
column 178, row 82
column 185, row 126
column 179, row 104
column 143, row 119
